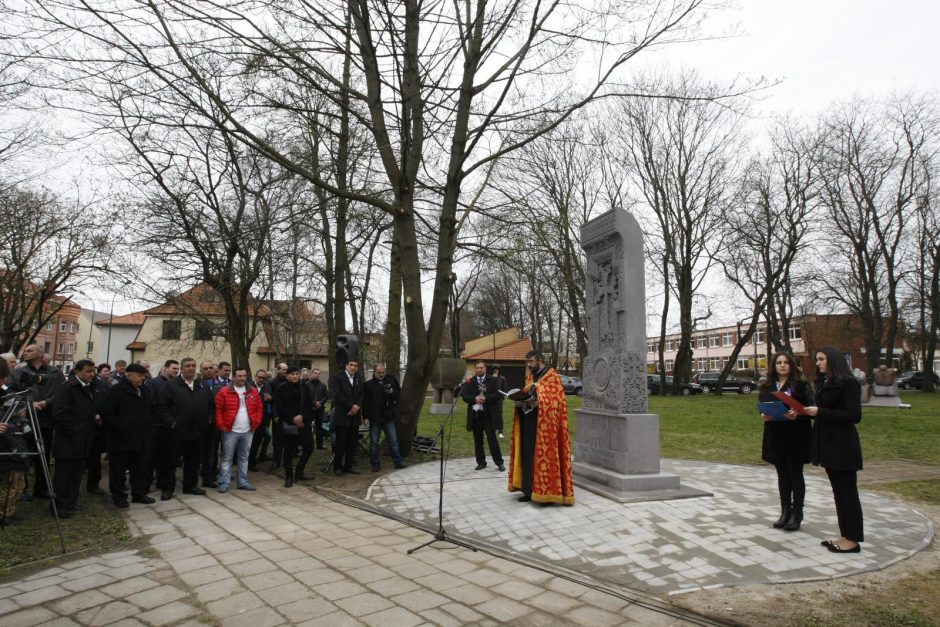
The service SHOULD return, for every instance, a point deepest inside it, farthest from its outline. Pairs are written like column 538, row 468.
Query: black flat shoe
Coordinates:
column 524, row 499
column 827, row 543
column 166, row 495
column 835, row 548
column 480, row 467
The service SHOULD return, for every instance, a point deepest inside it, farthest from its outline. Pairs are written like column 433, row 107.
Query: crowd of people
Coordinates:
column 206, row 418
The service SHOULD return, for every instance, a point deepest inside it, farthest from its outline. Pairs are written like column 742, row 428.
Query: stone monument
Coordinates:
column 616, row 448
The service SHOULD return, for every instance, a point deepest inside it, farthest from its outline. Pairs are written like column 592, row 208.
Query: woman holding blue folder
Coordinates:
column 787, row 436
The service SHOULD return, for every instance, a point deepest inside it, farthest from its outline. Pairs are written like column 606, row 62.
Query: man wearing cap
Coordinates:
column 126, row 416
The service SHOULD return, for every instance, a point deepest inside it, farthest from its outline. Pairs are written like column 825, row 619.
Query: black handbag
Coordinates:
column 290, row 429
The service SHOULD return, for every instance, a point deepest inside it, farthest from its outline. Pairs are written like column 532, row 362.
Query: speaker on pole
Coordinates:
column 347, row 349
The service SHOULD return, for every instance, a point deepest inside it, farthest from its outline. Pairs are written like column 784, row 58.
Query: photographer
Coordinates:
column 42, row 380
column 13, row 462
column 378, row 408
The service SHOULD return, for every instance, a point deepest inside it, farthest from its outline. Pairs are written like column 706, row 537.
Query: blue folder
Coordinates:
column 774, row 409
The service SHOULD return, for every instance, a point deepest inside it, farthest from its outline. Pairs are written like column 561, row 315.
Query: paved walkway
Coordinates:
column 661, row 547
column 278, row 557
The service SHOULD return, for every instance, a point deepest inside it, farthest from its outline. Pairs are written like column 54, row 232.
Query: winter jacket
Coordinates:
column 227, row 402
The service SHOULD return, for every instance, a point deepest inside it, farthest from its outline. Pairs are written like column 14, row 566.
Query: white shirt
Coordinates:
column 242, row 421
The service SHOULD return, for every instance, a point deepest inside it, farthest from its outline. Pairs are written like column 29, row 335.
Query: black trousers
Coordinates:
column 259, row 442
column 289, row 447
column 482, row 424
column 344, row 448
column 318, row 428
column 529, row 426
column 191, row 451
column 66, row 482
column 790, row 482
column 305, row 440
column 161, row 463
column 848, row 506
column 277, row 438
column 210, row 454
column 41, row 488
column 119, row 463
column 93, row 463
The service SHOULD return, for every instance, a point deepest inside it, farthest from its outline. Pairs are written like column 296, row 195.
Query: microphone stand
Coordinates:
column 441, row 534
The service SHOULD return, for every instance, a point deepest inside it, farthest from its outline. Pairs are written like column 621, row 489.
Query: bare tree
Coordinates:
column 48, row 247
column 680, row 153
column 871, row 179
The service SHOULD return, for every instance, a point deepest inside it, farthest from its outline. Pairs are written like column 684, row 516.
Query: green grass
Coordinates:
column 927, row 491
column 97, row 526
column 727, row 428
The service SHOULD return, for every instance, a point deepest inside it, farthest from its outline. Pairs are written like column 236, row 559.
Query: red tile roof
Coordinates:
column 137, row 346
column 514, row 351
column 135, row 319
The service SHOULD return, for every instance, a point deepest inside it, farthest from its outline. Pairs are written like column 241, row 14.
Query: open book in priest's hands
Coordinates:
column 516, row 394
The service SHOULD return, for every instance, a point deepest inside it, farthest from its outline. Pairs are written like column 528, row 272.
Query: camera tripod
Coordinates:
column 17, row 405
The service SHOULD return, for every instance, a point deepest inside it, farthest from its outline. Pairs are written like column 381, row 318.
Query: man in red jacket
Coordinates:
column 238, row 412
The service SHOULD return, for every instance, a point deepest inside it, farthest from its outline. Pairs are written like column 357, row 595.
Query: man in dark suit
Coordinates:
column 481, row 393
column 346, row 389
column 74, row 414
column 186, row 406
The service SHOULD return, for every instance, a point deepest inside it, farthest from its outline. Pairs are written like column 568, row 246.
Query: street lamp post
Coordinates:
column 107, row 357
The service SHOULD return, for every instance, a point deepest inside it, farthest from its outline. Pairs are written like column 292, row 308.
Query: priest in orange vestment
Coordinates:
column 540, row 453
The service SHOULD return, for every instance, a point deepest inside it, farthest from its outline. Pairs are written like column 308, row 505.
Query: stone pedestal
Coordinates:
column 443, row 401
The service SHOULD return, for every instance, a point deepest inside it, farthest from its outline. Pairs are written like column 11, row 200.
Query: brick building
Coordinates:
column 711, row 348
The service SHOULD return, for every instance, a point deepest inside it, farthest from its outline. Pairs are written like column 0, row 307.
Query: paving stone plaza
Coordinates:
column 300, row 557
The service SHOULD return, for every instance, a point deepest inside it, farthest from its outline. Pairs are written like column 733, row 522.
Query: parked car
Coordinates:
column 915, row 380
column 652, row 385
column 709, row 381
column 572, row 385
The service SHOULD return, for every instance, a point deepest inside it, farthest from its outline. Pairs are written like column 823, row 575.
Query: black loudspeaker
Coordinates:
column 347, row 349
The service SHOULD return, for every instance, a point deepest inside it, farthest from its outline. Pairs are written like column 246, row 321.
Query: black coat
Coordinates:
column 377, row 405
column 186, row 411
column 127, row 417
column 788, row 439
column 25, row 377
column 317, row 391
column 835, row 440
column 289, row 401
column 344, row 397
column 492, row 406
column 73, row 415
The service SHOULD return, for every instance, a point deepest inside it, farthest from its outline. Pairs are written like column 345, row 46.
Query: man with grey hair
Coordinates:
column 11, row 360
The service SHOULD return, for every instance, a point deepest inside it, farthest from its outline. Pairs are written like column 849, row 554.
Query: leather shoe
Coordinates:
column 288, row 482
column 146, row 500
column 210, row 484
column 480, row 467
column 351, row 471
column 401, row 465
column 835, row 548
column 338, row 472
column 121, row 503
column 524, row 499
column 502, row 467
column 194, row 490
column 376, row 468
column 166, row 495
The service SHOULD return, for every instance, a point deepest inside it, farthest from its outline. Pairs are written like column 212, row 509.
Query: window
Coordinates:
column 727, row 339
column 171, row 330
column 713, row 340
column 714, row 363
column 670, row 345
column 701, row 363
column 91, row 347
column 724, row 361
column 70, row 347
column 71, row 327
column 210, row 296
column 759, row 336
column 701, row 341
column 743, row 363
column 61, row 348
column 669, row 364
column 203, row 330
column 50, row 326
column 796, row 332
column 62, row 327
column 46, row 347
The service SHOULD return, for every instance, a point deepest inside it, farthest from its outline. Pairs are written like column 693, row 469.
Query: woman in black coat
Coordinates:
column 786, row 443
column 835, row 445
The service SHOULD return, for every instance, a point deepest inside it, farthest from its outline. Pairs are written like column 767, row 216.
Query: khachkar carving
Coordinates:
column 616, row 450
column 614, row 375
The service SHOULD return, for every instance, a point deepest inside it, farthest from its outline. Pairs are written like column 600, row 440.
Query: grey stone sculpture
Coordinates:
column 616, row 448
